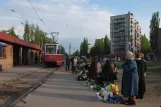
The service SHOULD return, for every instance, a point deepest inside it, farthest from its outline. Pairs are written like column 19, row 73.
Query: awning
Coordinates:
column 3, row 44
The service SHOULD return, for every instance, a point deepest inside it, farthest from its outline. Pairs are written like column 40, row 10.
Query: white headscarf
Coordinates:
column 129, row 55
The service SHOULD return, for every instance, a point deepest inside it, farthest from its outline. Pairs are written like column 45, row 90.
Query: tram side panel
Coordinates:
column 56, row 59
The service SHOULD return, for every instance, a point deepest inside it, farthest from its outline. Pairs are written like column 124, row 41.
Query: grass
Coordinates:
column 153, row 63
column 149, row 64
column 155, row 70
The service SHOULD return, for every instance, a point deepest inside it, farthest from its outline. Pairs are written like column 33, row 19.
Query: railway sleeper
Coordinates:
column 22, row 100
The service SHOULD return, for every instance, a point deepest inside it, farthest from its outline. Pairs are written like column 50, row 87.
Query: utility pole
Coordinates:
column 69, row 49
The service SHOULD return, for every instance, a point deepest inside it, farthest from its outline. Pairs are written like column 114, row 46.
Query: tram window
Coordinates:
column 50, row 49
column 59, row 50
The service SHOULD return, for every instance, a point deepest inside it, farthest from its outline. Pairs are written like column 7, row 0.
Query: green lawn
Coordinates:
column 149, row 64
column 155, row 70
column 154, row 63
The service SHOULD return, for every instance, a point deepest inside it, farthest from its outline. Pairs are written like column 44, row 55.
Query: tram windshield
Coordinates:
column 50, row 49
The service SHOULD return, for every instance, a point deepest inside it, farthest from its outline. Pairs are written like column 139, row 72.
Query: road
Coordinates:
column 62, row 90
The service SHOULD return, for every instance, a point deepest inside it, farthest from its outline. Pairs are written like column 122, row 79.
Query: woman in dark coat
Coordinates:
column 93, row 69
column 141, row 68
column 108, row 71
column 130, row 79
column 145, row 67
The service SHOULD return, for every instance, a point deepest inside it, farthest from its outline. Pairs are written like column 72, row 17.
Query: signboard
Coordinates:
column 50, row 46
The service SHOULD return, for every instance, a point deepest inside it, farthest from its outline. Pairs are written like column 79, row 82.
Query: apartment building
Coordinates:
column 125, row 34
column 89, row 47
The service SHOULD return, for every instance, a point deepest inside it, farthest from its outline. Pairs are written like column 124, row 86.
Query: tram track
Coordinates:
column 26, row 84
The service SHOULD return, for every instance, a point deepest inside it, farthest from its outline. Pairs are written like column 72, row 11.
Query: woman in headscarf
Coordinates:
column 141, row 70
column 108, row 71
column 130, row 79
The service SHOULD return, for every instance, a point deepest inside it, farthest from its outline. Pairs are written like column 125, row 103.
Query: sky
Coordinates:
column 85, row 18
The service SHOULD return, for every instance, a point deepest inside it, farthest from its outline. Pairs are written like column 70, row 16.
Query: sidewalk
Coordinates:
column 15, row 72
column 62, row 90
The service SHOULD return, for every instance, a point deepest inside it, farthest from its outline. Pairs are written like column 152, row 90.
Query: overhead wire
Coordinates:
column 39, row 16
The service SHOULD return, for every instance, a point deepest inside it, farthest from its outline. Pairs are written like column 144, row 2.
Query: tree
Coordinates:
column 99, row 46
column 106, row 45
column 84, row 47
column 11, row 32
column 154, row 31
column 76, row 53
column 26, row 35
column 145, row 45
column 93, row 51
column 32, row 33
column 4, row 31
column 35, row 35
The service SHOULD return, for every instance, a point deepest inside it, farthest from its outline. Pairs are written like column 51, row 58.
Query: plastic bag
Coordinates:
column 109, row 88
column 115, row 89
column 112, row 88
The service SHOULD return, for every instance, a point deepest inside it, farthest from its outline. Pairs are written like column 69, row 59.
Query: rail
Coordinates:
column 19, row 97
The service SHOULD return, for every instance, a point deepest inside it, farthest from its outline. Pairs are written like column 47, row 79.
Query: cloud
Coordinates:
column 74, row 19
column 83, row 19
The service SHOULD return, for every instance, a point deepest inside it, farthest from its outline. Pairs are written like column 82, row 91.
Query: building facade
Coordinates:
column 16, row 52
column 125, row 34
column 89, row 47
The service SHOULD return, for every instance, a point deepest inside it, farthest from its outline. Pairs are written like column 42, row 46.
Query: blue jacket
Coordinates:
column 130, row 79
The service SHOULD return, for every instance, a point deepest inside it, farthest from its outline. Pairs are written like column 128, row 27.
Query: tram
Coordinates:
column 53, row 54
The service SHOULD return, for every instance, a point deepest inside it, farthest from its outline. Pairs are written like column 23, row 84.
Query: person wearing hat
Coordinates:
column 130, row 79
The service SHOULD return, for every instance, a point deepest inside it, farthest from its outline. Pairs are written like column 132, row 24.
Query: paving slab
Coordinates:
column 15, row 72
column 62, row 90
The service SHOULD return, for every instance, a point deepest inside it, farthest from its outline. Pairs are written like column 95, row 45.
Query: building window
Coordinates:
column 2, row 52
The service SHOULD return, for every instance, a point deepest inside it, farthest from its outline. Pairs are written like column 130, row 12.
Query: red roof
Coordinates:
column 11, row 39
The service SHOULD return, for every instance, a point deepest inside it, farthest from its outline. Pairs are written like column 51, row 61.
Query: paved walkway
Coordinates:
column 15, row 72
column 62, row 90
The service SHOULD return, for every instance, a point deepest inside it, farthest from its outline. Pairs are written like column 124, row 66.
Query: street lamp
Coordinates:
column 69, row 48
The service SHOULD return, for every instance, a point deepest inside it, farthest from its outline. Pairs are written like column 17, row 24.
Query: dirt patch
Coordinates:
column 153, row 87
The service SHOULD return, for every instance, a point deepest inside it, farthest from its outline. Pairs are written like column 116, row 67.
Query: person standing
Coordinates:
column 67, row 63
column 72, row 63
column 108, row 72
column 145, row 67
column 75, row 64
column 130, row 79
column 93, row 69
column 99, row 59
column 141, row 70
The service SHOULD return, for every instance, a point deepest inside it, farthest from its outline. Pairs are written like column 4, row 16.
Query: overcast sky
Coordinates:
column 85, row 18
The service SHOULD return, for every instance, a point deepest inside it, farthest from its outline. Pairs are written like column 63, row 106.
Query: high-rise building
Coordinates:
column 125, row 34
